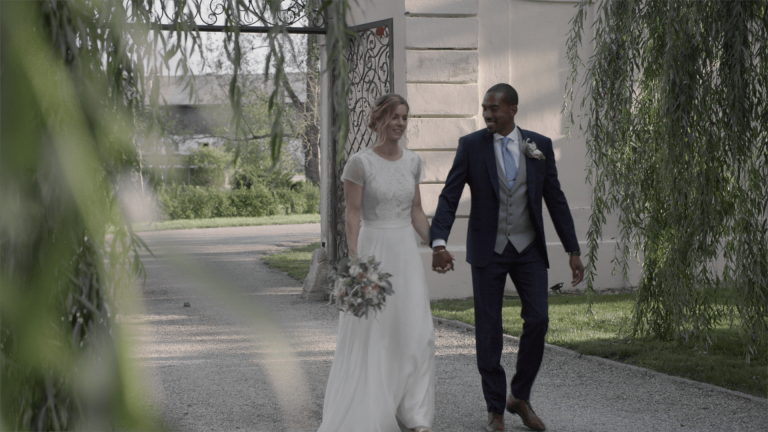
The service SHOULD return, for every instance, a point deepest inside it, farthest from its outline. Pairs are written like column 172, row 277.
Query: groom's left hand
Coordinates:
column 577, row 268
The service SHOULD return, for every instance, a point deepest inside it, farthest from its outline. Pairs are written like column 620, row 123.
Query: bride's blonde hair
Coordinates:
column 382, row 111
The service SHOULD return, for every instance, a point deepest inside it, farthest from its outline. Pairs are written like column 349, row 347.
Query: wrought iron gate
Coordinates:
column 370, row 59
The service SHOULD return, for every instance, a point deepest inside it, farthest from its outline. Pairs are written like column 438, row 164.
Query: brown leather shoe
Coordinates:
column 495, row 422
column 524, row 410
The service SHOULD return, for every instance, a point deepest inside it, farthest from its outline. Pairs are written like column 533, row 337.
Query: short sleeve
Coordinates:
column 418, row 169
column 354, row 170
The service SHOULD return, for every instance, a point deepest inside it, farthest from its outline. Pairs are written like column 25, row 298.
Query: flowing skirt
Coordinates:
column 383, row 373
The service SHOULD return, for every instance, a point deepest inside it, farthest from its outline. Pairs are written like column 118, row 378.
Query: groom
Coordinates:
column 509, row 170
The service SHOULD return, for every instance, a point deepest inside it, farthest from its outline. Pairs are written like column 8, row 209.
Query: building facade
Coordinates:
column 447, row 53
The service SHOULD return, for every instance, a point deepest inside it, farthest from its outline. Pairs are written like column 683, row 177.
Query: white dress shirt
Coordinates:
column 498, row 140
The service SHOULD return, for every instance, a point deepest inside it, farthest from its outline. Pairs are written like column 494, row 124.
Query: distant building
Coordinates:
column 196, row 116
column 201, row 117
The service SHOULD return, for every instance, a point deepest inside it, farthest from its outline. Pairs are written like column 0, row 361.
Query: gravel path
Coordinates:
column 213, row 367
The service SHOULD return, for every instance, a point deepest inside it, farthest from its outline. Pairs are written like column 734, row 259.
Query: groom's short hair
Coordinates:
column 508, row 92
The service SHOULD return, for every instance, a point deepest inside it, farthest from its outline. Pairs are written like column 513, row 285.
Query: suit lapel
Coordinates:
column 530, row 167
column 490, row 161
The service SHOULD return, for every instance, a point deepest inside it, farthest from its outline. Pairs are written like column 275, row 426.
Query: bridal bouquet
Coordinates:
column 359, row 286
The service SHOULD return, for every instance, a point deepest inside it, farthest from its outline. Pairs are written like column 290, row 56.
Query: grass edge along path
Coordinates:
column 228, row 222
column 294, row 261
column 570, row 327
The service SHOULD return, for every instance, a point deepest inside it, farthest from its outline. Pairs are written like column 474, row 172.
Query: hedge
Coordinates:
column 195, row 202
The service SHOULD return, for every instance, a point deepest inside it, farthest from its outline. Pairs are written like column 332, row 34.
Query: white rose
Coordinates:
column 354, row 270
column 373, row 277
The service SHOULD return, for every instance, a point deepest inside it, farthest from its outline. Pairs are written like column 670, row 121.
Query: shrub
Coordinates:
column 302, row 198
column 194, row 202
column 312, row 192
column 210, row 165
column 309, row 195
column 167, row 197
column 246, row 177
column 254, row 202
column 241, row 179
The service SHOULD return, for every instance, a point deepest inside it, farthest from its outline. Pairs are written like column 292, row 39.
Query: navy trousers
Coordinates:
column 528, row 271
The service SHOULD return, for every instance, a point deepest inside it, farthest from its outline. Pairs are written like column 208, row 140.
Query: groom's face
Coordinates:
column 499, row 116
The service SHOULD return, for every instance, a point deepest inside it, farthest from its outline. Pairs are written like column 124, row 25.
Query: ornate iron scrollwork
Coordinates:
column 370, row 74
column 255, row 13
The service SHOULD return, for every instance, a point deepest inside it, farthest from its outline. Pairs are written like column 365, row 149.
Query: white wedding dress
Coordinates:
column 383, row 373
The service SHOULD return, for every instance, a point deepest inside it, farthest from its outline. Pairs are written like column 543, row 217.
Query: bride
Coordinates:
column 383, row 373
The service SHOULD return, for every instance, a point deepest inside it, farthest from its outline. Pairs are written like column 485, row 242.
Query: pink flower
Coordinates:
column 371, row 291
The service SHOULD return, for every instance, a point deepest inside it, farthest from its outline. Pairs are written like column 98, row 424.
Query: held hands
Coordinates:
column 576, row 267
column 442, row 260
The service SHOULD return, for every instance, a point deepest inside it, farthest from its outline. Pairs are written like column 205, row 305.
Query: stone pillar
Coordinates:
column 327, row 159
column 442, row 66
column 316, row 283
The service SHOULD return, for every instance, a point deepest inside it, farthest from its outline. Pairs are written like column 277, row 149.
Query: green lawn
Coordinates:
column 229, row 222
column 295, row 261
column 571, row 327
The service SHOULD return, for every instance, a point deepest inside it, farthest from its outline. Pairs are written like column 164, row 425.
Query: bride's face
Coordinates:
column 398, row 121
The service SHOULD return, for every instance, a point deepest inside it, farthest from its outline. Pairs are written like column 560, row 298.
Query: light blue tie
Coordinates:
column 510, row 167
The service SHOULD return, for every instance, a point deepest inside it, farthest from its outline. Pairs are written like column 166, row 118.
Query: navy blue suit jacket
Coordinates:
column 475, row 165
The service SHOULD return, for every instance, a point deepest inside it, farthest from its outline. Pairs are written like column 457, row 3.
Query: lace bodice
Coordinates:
column 388, row 186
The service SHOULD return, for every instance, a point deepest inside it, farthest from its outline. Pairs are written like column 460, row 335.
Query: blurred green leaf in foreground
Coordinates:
column 72, row 84
column 75, row 103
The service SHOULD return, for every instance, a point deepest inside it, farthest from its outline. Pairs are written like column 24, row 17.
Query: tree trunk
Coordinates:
column 311, row 141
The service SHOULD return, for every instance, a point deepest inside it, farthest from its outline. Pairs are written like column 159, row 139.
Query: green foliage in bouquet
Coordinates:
column 359, row 286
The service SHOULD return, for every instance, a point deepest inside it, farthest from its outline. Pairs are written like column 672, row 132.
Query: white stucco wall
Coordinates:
column 447, row 54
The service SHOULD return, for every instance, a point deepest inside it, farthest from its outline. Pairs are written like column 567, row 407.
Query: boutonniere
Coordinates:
column 531, row 150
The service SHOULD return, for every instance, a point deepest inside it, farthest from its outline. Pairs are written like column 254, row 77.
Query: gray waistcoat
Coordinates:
column 514, row 222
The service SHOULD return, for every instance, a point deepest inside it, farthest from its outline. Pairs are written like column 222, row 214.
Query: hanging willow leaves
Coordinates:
column 70, row 86
column 280, row 43
column 80, row 90
column 674, row 107
column 337, row 45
